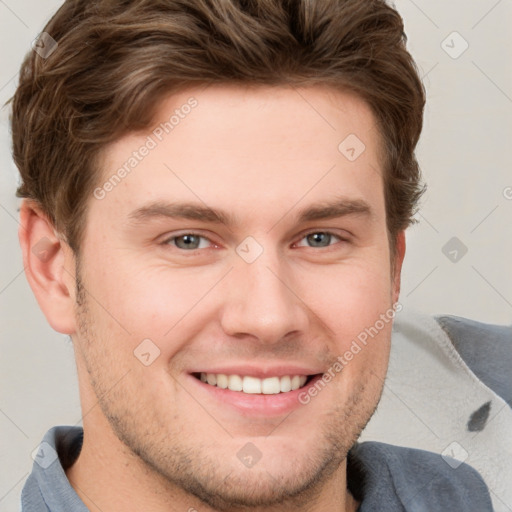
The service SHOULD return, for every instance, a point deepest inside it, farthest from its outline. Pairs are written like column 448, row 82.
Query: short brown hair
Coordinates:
column 116, row 59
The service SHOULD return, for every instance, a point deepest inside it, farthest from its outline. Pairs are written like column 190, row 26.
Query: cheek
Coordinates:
column 132, row 304
column 350, row 297
column 355, row 302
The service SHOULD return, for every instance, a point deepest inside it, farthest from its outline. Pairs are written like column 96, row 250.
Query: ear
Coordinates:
column 49, row 267
column 397, row 264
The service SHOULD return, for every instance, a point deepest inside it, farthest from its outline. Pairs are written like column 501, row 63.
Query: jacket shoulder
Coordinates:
column 420, row 478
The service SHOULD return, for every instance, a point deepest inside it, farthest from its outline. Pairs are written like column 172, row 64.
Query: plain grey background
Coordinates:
column 465, row 156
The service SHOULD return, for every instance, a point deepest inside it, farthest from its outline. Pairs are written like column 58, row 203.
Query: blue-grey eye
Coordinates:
column 320, row 239
column 188, row 241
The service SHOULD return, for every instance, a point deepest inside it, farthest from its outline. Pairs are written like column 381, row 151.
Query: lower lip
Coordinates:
column 256, row 404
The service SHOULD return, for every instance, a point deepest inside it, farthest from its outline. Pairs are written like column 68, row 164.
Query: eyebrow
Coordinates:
column 195, row 211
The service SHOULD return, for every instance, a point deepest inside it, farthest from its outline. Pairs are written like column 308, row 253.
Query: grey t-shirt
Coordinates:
column 384, row 478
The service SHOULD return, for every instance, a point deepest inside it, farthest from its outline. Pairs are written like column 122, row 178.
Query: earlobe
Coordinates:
column 49, row 267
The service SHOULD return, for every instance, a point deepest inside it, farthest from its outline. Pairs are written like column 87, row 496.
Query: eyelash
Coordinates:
column 168, row 241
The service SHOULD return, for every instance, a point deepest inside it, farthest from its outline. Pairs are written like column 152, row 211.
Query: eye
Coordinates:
column 320, row 238
column 188, row 241
column 195, row 241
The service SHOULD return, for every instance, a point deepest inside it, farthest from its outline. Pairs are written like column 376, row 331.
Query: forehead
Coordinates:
column 248, row 148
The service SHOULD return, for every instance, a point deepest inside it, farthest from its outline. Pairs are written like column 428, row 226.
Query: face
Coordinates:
column 248, row 246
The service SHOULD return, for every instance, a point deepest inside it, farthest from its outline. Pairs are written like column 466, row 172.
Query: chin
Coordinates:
column 269, row 485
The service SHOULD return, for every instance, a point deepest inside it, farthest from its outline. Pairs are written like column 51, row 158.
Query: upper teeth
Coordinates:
column 268, row 386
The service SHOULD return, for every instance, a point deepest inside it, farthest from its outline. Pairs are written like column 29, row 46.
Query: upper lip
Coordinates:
column 260, row 372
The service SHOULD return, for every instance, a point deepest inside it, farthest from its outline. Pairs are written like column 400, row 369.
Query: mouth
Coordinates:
column 260, row 392
column 250, row 385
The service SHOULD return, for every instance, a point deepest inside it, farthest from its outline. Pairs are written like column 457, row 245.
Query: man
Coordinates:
column 216, row 198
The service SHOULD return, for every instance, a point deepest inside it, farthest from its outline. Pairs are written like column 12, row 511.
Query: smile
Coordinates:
column 254, row 385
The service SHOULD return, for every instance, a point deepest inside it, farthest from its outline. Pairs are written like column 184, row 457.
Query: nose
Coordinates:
column 262, row 302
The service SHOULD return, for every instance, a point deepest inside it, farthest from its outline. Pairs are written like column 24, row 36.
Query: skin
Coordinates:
column 152, row 440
